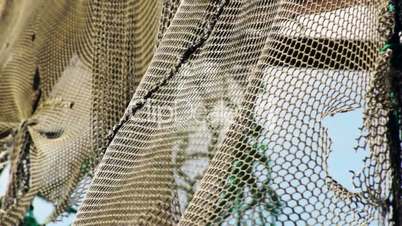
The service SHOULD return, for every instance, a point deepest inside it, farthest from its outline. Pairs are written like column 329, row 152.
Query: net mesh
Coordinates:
column 68, row 71
column 226, row 125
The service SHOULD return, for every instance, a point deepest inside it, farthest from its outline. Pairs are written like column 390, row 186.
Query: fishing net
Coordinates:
column 225, row 123
column 225, row 128
column 68, row 70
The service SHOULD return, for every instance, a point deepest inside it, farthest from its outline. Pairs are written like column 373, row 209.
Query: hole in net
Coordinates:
column 52, row 134
column 343, row 129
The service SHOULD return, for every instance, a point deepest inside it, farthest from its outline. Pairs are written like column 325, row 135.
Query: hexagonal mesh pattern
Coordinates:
column 226, row 126
column 67, row 70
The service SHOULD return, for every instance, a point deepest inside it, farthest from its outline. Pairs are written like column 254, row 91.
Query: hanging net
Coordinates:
column 67, row 70
column 225, row 123
column 226, row 127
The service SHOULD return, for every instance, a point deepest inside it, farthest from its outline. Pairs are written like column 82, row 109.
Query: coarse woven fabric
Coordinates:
column 226, row 127
column 68, row 70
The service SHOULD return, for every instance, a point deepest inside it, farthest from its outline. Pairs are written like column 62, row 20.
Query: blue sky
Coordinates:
column 343, row 128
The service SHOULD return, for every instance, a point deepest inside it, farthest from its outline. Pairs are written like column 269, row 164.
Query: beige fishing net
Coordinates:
column 226, row 125
column 68, row 70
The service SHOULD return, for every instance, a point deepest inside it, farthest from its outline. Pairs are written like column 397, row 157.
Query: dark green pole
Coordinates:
column 395, row 115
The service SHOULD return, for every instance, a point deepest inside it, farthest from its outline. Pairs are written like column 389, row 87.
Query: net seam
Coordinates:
column 207, row 28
